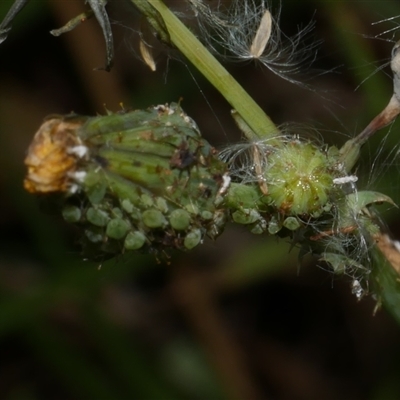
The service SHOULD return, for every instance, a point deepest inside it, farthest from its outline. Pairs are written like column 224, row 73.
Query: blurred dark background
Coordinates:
column 234, row 319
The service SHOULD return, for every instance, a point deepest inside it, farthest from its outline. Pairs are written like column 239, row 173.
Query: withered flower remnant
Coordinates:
column 51, row 160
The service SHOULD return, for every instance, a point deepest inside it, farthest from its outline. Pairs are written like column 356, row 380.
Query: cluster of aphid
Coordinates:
column 147, row 180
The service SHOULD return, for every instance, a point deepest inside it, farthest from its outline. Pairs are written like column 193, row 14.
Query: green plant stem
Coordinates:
column 208, row 65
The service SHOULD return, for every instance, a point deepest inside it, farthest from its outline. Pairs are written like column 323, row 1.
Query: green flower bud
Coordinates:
column 299, row 178
column 146, row 179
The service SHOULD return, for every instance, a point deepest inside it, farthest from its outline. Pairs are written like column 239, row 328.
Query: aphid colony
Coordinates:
column 146, row 180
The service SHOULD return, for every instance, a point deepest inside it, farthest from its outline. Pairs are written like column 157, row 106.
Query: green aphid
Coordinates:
column 97, row 217
column 134, row 240
column 117, row 228
column 179, row 219
column 147, row 200
column 162, row 205
column 259, row 227
column 154, row 219
column 127, row 206
column 246, row 216
column 94, row 235
column 117, row 213
column 71, row 213
column 291, row 223
column 95, row 192
column 207, row 215
column 274, row 225
column 192, row 239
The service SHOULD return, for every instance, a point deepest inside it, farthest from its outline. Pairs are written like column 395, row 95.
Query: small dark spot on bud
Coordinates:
column 170, row 240
column 101, row 161
column 206, row 192
column 183, row 157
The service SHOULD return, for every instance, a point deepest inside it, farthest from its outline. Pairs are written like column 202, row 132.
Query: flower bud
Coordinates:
column 132, row 180
column 299, row 178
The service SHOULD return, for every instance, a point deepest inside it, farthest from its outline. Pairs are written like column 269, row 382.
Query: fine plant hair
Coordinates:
column 379, row 66
column 381, row 160
column 395, row 21
column 240, row 158
column 342, row 235
column 350, row 242
column 247, row 157
column 236, row 34
column 390, row 33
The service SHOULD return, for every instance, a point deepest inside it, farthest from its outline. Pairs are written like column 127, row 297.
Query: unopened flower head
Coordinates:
column 295, row 176
column 141, row 180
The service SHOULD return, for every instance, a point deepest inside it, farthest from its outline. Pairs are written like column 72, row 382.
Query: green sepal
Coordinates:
column 385, row 282
column 340, row 263
column 355, row 204
column 357, row 201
